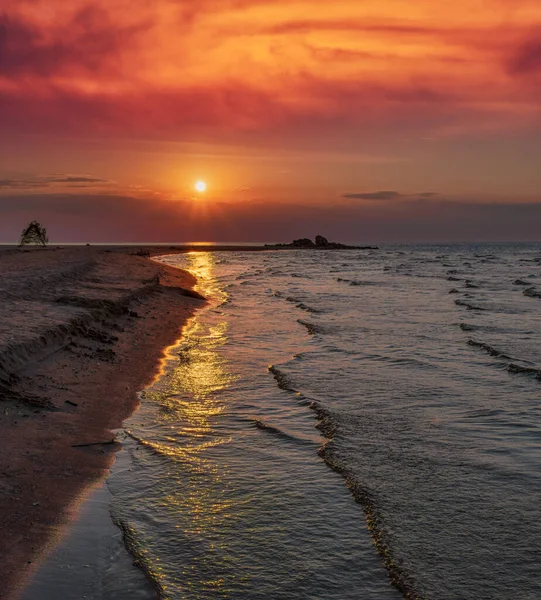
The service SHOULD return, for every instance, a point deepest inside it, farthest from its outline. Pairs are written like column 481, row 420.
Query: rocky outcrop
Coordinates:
column 321, row 243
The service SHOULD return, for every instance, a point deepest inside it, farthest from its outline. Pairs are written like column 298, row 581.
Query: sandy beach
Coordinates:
column 82, row 330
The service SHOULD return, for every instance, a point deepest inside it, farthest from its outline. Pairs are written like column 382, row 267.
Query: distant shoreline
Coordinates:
column 163, row 249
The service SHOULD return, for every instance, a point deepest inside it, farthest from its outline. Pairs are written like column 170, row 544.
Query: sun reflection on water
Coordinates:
column 188, row 399
column 202, row 266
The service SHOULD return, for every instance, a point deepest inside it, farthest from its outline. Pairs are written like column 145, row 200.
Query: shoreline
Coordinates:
column 92, row 560
column 80, row 337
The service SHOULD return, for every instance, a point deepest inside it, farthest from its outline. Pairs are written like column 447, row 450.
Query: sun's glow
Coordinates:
column 200, row 186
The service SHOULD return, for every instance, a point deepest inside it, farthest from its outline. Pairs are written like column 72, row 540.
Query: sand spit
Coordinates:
column 81, row 331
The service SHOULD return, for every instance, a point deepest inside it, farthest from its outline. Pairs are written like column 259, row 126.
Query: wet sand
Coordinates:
column 92, row 561
column 82, row 330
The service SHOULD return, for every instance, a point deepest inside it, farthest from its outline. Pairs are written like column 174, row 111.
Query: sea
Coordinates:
column 344, row 424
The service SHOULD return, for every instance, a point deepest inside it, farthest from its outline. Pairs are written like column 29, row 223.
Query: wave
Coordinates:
column 271, row 429
column 139, row 554
column 298, row 303
column 355, row 282
column 520, row 370
column 259, row 424
column 307, row 308
column 358, row 283
column 484, row 412
column 399, row 575
column 312, row 328
column 532, row 293
column 174, row 452
column 512, row 367
column 283, row 381
column 489, row 349
column 469, row 306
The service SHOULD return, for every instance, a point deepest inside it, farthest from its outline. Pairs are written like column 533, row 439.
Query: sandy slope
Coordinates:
column 81, row 331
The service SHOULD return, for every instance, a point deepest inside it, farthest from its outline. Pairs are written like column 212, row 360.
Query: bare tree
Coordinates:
column 34, row 233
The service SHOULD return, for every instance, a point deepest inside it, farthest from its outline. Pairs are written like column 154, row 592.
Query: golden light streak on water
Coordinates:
column 188, row 400
column 202, row 266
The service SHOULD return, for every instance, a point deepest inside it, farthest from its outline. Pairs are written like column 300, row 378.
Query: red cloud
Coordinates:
column 89, row 41
column 526, row 59
column 136, row 69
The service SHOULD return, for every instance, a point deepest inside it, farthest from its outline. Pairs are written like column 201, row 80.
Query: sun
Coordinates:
column 200, row 186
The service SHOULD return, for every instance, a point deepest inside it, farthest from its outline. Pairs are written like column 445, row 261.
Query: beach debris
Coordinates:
column 71, row 403
column 106, row 443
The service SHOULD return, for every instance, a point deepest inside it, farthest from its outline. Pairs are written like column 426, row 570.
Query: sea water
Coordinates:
column 344, row 425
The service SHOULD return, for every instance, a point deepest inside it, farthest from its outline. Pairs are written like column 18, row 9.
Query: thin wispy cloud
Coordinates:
column 53, row 180
column 388, row 195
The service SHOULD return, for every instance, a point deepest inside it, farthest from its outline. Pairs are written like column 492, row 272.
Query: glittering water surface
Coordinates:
column 421, row 364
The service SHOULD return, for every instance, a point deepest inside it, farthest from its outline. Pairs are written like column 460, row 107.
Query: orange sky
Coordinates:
column 288, row 102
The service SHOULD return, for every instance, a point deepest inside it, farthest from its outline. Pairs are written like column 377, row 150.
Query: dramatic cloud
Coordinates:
column 204, row 70
column 527, row 59
column 88, row 40
column 150, row 95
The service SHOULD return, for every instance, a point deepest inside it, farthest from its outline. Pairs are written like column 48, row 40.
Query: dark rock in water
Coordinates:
column 451, row 278
column 303, row 243
column 454, row 291
column 321, row 243
column 520, row 282
column 532, row 293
